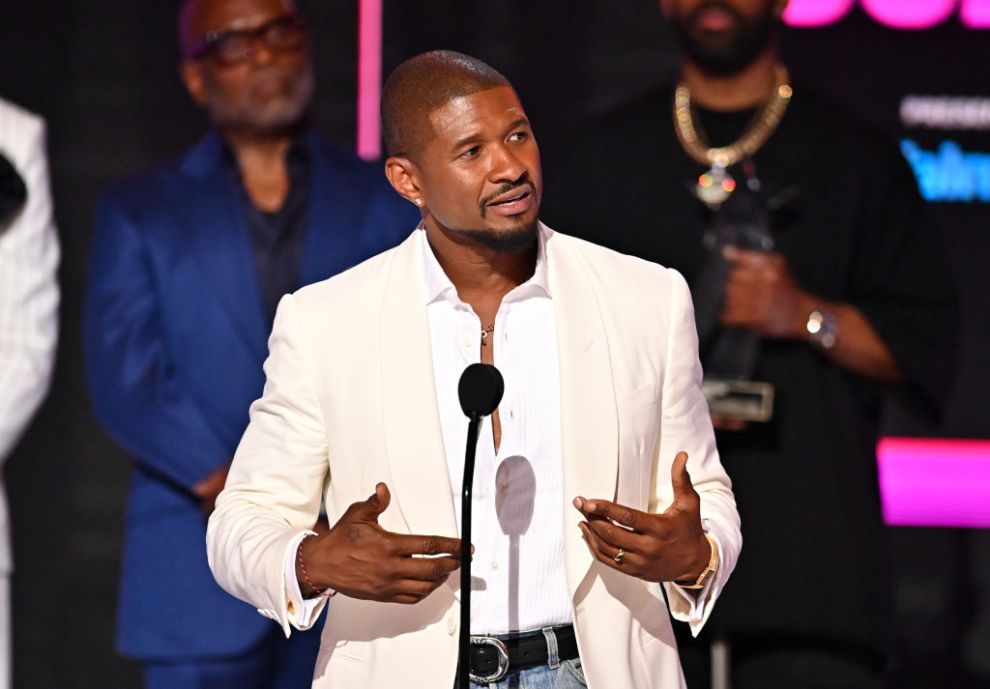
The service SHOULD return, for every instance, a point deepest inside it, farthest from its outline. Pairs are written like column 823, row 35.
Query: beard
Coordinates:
column 513, row 240
column 516, row 239
column 252, row 112
column 723, row 55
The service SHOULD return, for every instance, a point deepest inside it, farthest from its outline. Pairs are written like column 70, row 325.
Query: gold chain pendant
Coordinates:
column 715, row 186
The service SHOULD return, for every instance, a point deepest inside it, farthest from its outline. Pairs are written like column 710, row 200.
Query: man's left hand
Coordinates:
column 761, row 295
column 655, row 547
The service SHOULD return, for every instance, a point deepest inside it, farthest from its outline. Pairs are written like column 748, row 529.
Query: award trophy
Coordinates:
column 740, row 218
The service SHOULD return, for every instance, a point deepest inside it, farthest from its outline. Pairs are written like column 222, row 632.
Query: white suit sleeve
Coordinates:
column 29, row 293
column 274, row 488
column 686, row 425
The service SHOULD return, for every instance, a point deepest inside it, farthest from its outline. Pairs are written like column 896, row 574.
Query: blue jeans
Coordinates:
column 568, row 675
column 556, row 674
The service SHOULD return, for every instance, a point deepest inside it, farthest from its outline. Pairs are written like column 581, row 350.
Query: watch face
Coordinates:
column 823, row 328
column 814, row 325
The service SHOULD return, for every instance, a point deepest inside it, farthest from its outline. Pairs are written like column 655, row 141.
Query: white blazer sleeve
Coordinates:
column 686, row 425
column 29, row 294
column 273, row 491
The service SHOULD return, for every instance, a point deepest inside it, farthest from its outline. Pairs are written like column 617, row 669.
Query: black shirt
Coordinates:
column 813, row 562
column 277, row 236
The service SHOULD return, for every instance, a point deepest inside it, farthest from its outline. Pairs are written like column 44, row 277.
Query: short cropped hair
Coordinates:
column 422, row 84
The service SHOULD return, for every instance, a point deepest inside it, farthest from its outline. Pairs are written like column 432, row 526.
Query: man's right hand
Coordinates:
column 358, row 558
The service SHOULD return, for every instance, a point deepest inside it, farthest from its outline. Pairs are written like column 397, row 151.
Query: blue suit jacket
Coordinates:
column 175, row 338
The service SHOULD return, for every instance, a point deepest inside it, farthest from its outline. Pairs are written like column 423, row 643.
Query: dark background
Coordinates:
column 103, row 74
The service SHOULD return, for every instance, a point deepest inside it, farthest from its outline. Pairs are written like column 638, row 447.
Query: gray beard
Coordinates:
column 274, row 118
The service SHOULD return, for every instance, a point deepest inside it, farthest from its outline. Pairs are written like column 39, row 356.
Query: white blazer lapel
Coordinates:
column 413, row 437
column 589, row 433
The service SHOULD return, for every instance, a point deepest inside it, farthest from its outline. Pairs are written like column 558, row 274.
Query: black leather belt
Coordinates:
column 492, row 658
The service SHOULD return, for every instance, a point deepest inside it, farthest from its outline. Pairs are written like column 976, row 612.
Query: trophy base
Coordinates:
column 741, row 400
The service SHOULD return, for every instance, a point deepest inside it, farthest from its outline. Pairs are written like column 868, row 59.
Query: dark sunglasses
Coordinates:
column 230, row 47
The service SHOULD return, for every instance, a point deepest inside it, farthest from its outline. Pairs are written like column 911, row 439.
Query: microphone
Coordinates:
column 479, row 391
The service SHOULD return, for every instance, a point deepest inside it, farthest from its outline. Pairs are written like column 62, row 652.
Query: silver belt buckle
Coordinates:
column 503, row 660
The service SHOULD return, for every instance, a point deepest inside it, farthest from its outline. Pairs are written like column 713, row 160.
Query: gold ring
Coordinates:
column 618, row 556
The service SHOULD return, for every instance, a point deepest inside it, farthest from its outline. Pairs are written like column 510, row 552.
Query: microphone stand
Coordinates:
column 464, row 643
column 479, row 392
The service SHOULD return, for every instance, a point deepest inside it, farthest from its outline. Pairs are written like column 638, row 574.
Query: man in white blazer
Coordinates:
column 29, row 298
column 583, row 508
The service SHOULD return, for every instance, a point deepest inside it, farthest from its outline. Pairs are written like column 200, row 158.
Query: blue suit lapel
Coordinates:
column 353, row 213
column 328, row 212
column 219, row 238
column 336, row 224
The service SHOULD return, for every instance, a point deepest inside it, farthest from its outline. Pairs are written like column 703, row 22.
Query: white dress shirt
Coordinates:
column 518, row 578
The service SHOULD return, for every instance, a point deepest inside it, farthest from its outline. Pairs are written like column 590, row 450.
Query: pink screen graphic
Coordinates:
column 369, row 78
column 897, row 14
column 934, row 482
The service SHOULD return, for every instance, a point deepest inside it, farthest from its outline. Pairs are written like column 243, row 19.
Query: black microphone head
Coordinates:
column 480, row 389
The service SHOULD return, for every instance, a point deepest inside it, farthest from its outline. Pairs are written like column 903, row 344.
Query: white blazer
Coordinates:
column 350, row 401
column 28, row 292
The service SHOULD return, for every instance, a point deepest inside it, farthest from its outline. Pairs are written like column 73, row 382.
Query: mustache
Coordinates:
column 522, row 183
column 695, row 14
column 279, row 72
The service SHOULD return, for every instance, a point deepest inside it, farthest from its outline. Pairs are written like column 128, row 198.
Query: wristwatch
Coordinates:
column 823, row 328
column 708, row 571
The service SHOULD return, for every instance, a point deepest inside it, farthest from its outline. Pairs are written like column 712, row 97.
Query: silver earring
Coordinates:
column 419, row 202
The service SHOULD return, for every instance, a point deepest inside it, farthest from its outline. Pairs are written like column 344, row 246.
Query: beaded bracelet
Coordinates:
column 324, row 593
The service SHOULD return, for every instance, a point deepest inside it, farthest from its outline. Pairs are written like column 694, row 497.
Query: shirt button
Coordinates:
column 451, row 625
column 494, row 564
column 467, row 342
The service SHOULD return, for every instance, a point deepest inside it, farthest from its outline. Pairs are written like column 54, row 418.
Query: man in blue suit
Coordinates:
column 188, row 264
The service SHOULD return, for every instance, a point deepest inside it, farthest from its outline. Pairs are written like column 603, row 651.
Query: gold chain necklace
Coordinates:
column 715, row 186
column 484, row 334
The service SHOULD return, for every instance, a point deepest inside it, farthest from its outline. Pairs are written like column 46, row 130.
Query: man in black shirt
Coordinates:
column 848, row 297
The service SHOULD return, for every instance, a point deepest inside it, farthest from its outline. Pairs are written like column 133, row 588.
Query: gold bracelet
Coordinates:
column 708, row 571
